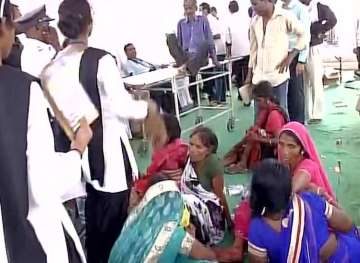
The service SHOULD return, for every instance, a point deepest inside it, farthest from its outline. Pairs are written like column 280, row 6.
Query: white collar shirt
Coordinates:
column 237, row 33
column 35, row 55
column 217, row 28
column 117, row 107
column 268, row 49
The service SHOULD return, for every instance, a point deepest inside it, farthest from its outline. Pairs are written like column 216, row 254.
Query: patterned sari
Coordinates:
column 153, row 231
column 206, row 212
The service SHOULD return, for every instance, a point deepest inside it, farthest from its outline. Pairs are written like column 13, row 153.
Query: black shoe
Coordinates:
column 314, row 121
column 357, row 73
column 175, row 50
column 201, row 59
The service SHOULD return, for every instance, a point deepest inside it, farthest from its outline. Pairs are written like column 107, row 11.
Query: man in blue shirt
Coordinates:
column 195, row 36
column 296, row 96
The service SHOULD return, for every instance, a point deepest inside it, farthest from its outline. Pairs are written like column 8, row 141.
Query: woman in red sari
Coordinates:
column 166, row 158
column 260, row 140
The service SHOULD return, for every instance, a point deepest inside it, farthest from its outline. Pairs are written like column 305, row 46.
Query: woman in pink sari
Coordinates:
column 297, row 150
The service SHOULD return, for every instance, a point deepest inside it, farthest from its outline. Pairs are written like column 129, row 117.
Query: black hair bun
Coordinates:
column 71, row 26
column 74, row 18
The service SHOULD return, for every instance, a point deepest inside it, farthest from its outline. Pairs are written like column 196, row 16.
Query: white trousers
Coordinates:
column 313, row 85
column 182, row 85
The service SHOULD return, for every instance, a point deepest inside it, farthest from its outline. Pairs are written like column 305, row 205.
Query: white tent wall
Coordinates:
column 346, row 12
column 144, row 23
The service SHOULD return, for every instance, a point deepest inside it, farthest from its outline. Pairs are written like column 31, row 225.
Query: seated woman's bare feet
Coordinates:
column 229, row 159
column 237, row 168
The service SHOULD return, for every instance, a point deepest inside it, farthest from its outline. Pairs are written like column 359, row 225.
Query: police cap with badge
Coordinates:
column 37, row 17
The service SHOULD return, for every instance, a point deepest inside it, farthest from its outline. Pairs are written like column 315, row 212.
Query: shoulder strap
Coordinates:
column 88, row 73
column 88, row 78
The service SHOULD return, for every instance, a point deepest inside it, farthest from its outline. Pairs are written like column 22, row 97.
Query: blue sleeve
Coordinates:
column 305, row 20
column 179, row 34
column 209, row 38
column 255, row 238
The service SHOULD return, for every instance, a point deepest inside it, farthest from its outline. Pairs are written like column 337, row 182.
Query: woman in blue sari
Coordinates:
column 289, row 227
column 155, row 230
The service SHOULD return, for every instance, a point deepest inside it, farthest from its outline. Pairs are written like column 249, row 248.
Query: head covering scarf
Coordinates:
column 300, row 131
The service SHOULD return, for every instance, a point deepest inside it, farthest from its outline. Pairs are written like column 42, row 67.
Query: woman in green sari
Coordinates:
column 155, row 230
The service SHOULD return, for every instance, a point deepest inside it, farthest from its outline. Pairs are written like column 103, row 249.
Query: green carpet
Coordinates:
column 341, row 124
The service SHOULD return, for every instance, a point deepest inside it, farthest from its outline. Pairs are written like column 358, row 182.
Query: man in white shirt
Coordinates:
column 136, row 66
column 216, row 27
column 237, row 40
column 220, row 84
column 269, row 47
column 296, row 93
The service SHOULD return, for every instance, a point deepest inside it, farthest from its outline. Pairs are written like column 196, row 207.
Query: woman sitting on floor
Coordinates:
column 297, row 150
column 168, row 157
column 155, row 230
column 289, row 227
column 260, row 140
column 202, row 185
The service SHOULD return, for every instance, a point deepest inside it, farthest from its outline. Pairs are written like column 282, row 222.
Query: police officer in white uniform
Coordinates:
column 34, row 54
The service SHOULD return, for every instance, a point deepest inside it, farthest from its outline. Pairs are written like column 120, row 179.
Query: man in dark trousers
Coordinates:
column 296, row 97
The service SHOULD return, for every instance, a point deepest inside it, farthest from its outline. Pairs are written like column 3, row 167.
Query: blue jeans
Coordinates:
column 280, row 93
